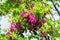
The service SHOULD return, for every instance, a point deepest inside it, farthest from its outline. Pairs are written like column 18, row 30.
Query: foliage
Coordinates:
column 29, row 15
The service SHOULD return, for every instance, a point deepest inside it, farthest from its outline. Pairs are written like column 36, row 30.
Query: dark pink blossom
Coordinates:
column 18, row 24
column 32, row 5
column 19, row 28
column 11, row 38
column 13, row 25
column 31, row 28
column 39, row 25
column 43, row 20
column 23, row 14
column 43, row 34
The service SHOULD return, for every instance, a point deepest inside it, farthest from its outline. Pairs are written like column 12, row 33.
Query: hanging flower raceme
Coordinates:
column 31, row 28
column 13, row 25
column 23, row 14
column 18, row 24
column 43, row 34
column 19, row 27
column 39, row 25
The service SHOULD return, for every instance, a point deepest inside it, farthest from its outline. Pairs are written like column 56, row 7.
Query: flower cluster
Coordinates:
column 32, row 22
column 27, row 18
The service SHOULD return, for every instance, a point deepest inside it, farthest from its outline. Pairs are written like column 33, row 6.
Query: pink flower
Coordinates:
column 23, row 14
column 31, row 17
column 13, row 25
column 30, row 12
column 7, row 33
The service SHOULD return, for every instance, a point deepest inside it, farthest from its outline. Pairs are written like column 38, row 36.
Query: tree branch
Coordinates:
column 55, row 7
